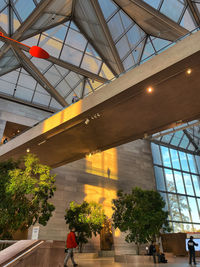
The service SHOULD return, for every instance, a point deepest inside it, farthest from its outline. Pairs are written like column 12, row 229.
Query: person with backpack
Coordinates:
column 191, row 247
column 70, row 244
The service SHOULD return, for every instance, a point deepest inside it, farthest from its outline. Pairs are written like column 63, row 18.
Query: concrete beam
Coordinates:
column 121, row 111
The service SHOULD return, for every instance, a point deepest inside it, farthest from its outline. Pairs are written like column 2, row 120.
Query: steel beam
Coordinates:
column 31, row 19
column 104, row 26
column 71, row 67
column 28, row 65
column 151, row 20
column 194, row 11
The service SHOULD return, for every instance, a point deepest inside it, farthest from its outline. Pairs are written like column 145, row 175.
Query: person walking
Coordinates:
column 191, row 247
column 70, row 244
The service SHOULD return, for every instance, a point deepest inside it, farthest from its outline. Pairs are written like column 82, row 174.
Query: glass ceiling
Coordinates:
column 89, row 41
column 185, row 137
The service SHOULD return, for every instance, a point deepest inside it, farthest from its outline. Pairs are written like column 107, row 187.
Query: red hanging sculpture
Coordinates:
column 35, row 51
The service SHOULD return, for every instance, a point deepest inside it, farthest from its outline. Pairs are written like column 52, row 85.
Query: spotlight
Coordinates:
column 150, row 89
column 28, row 150
column 189, row 71
column 87, row 121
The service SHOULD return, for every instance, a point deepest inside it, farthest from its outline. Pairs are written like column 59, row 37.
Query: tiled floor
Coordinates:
column 107, row 262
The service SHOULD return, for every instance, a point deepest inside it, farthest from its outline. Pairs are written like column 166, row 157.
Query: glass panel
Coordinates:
column 71, row 55
column 156, row 154
column 24, row 8
column 193, row 209
column 52, row 46
column 148, row 50
column 3, row 3
column 188, row 227
column 63, row 88
column 164, row 196
column 115, row 31
column 184, row 163
column 184, row 211
column 57, row 32
column 175, row 159
column 108, row 7
column 187, row 21
column 53, row 76
column 126, row 21
column 169, row 181
column 196, row 182
column 159, row 43
column 23, row 93
column 135, row 34
column 166, row 138
column 160, row 182
column 188, row 184
column 192, row 164
column 41, row 99
column 198, row 163
column 165, row 156
column 178, row 227
column 177, row 137
column 172, row 9
column 4, row 19
column 179, row 182
column 184, row 142
column 91, row 64
column 76, row 40
column 174, row 207
column 123, row 46
column 129, row 62
column 153, row 3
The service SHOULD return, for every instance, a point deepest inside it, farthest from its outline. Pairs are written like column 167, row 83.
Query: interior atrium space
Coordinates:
column 106, row 93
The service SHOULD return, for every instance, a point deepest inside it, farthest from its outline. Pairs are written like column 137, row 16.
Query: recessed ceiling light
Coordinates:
column 149, row 89
column 189, row 71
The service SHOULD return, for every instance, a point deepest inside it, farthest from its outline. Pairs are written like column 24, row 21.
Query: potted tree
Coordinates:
column 140, row 215
column 25, row 189
column 87, row 218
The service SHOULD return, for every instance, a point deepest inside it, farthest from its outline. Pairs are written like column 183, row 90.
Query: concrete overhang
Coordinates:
column 121, row 111
column 151, row 20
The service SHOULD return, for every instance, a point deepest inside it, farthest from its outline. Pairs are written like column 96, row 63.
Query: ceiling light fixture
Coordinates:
column 189, row 71
column 149, row 89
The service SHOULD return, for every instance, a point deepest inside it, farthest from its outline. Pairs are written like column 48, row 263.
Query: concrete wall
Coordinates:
column 130, row 165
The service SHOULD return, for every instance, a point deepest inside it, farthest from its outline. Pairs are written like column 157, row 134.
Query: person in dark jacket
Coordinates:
column 152, row 251
column 191, row 247
column 70, row 244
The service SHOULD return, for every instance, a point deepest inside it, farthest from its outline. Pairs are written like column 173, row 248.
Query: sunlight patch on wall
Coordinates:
column 62, row 116
column 103, row 164
column 100, row 195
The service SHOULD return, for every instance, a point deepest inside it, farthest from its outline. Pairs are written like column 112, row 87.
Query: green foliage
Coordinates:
column 140, row 214
column 87, row 218
column 25, row 188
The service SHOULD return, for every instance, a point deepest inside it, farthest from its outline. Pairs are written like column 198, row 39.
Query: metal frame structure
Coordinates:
column 42, row 8
column 174, row 190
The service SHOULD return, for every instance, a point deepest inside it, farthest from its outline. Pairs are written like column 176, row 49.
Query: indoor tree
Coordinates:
column 25, row 189
column 140, row 214
column 86, row 218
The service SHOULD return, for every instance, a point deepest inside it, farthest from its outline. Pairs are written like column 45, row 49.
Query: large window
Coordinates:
column 178, row 181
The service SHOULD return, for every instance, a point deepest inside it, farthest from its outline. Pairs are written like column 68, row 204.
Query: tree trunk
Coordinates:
column 138, row 249
column 80, row 248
